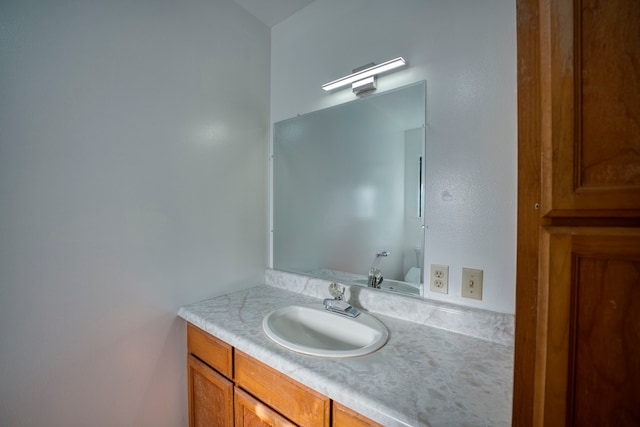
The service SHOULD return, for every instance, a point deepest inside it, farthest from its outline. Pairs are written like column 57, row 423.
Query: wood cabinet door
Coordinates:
column 590, row 107
column 587, row 370
column 250, row 412
column 210, row 396
column 346, row 417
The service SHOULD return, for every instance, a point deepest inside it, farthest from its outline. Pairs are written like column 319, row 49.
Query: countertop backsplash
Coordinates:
column 483, row 324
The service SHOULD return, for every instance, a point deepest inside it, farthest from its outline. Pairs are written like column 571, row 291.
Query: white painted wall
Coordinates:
column 466, row 51
column 133, row 160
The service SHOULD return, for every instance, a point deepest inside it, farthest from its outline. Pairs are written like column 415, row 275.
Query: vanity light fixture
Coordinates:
column 363, row 79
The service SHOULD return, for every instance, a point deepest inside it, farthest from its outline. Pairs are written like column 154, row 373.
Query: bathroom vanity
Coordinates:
column 423, row 376
column 228, row 387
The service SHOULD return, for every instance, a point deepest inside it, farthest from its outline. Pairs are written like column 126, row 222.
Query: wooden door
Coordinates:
column 250, row 412
column 588, row 365
column 210, row 396
column 576, row 357
column 346, row 417
column 590, row 116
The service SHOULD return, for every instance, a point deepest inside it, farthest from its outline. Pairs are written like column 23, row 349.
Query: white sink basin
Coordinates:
column 310, row 329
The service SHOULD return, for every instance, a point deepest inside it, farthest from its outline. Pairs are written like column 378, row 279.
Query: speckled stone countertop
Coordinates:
column 423, row 376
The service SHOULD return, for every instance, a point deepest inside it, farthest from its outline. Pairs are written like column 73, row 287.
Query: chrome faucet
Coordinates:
column 337, row 303
column 375, row 275
column 375, row 278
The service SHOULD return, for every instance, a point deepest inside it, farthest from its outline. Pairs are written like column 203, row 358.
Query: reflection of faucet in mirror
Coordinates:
column 375, row 275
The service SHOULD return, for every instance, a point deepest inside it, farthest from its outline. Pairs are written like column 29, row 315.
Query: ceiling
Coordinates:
column 272, row 11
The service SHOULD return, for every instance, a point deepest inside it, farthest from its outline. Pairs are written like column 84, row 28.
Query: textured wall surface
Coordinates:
column 133, row 151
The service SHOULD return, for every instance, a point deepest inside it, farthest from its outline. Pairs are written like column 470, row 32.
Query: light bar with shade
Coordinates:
column 368, row 73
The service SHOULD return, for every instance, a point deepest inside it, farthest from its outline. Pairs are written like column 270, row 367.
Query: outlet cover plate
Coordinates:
column 472, row 283
column 439, row 279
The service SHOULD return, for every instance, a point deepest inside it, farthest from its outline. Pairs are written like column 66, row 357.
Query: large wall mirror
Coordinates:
column 348, row 191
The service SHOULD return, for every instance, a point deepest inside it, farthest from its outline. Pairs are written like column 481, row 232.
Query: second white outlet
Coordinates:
column 439, row 278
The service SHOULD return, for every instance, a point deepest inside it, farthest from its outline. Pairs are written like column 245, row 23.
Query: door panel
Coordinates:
column 590, row 95
column 210, row 396
column 250, row 412
column 587, row 363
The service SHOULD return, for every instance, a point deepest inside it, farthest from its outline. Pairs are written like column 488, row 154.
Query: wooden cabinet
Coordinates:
column 590, row 107
column 210, row 396
column 577, row 346
column 228, row 387
column 214, row 352
column 250, row 412
column 345, row 417
column 292, row 399
column 588, row 366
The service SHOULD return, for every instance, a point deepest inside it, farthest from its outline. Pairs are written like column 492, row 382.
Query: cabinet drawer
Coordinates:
column 214, row 352
column 295, row 401
column 345, row 417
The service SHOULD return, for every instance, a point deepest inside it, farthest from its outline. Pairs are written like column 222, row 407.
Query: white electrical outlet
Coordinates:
column 472, row 283
column 439, row 280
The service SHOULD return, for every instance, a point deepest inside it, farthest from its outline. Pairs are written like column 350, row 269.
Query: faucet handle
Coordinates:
column 336, row 291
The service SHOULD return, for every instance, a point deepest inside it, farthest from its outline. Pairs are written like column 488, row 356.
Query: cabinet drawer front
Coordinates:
column 214, row 352
column 251, row 412
column 295, row 401
column 345, row 417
